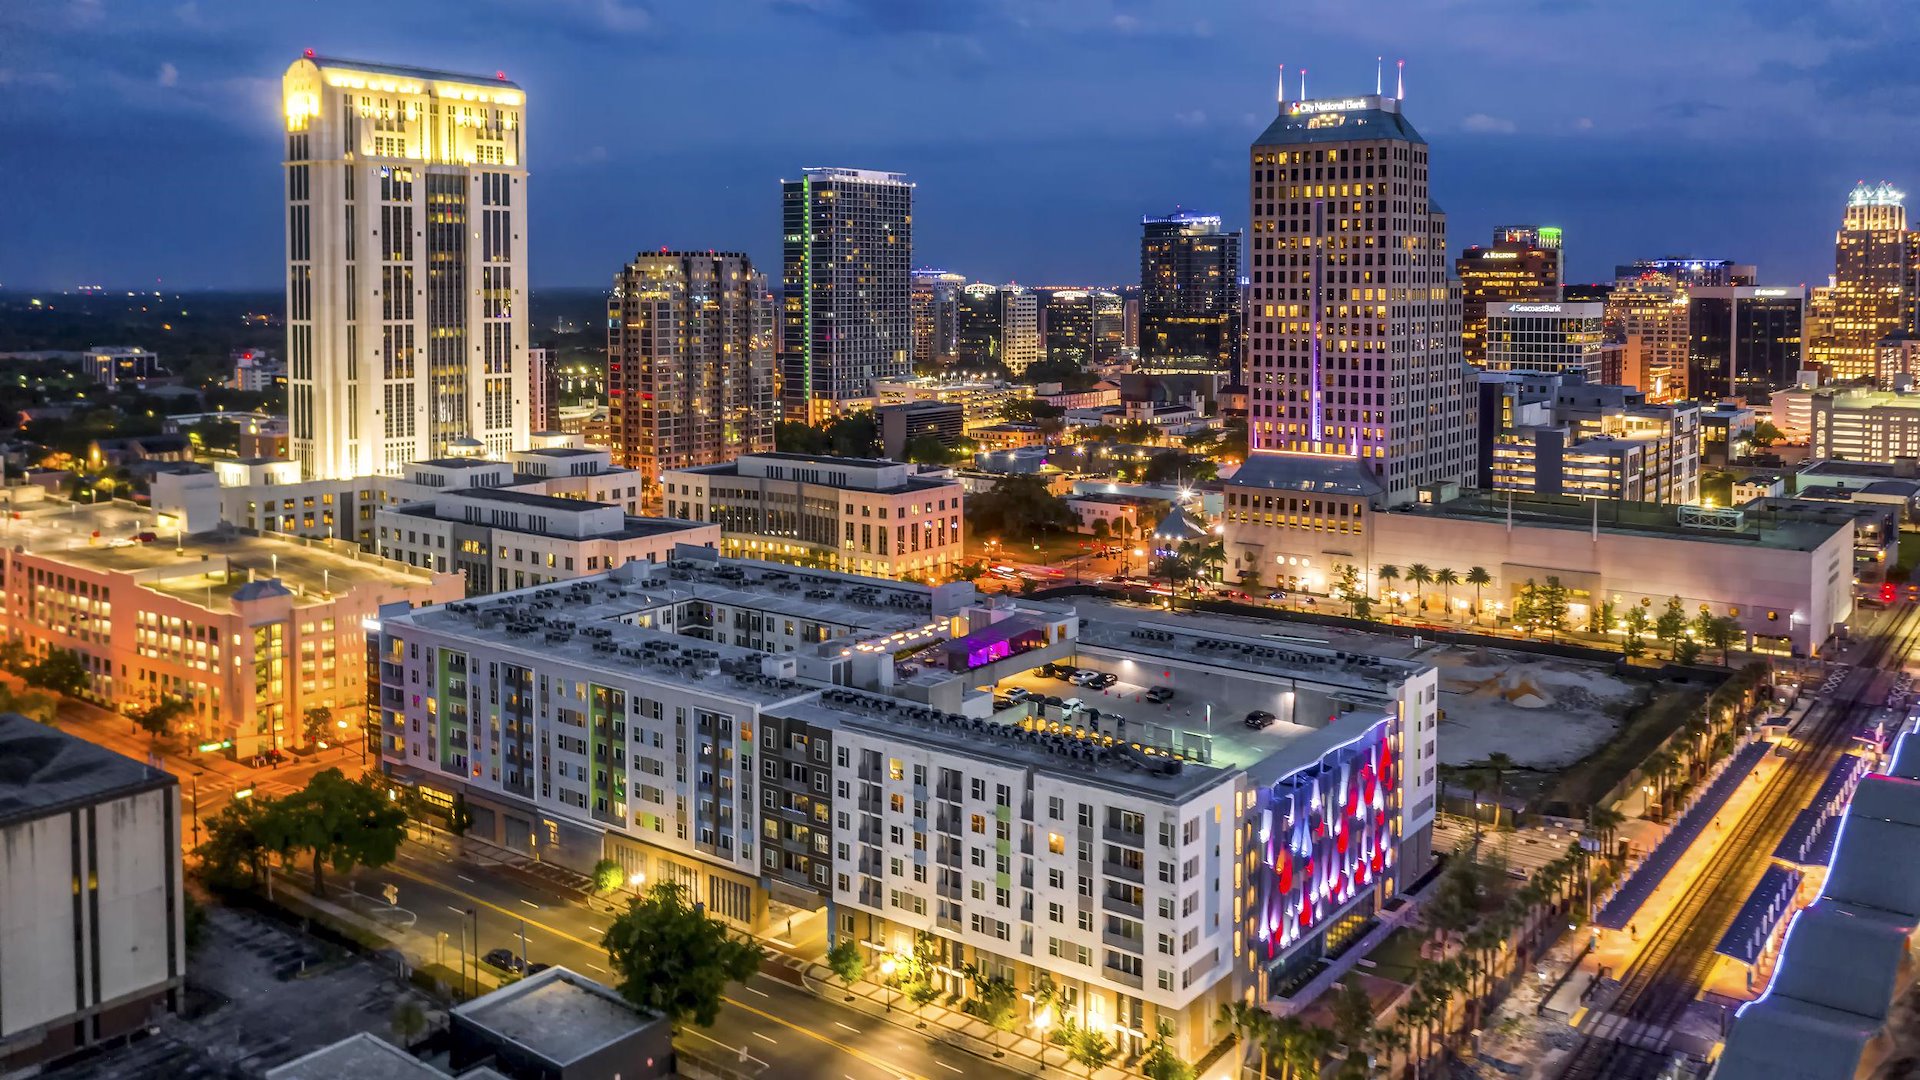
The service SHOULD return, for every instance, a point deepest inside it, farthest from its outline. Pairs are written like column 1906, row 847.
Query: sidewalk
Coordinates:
column 1022, row 1053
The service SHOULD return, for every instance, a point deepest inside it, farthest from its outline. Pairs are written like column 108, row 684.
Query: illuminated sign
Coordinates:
column 1549, row 236
column 1499, row 254
column 1330, row 105
column 1770, row 292
column 1533, row 309
column 210, row 747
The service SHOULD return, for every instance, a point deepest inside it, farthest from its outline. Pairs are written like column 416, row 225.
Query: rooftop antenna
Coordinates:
column 1303, row 84
column 1377, row 61
column 1400, row 79
column 1281, row 94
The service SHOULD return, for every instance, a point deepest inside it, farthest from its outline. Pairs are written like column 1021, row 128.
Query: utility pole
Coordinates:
column 195, row 782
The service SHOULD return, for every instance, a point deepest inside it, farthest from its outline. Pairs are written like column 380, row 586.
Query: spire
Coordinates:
column 1303, row 84
column 1281, row 94
column 1400, row 79
column 1377, row 61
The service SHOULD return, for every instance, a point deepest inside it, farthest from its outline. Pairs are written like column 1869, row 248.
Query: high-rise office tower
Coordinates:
column 997, row 325
column 1690, row 273
column 1875, row 262
column 1558, row 336
column 1649, row 315
column 847, row 254
column 1744, row 340
column 1524, row 265
column 1355, row 331
column 406, row 265
column 543, row 391
column 934, row 311
column 1081, row 326
column 1189, row 291
column 689, row 361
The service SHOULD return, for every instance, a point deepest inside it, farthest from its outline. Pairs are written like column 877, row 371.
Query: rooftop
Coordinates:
column 405, row 72
column 1326, row 120
column 205, row 568
column 1306, row 472
column 44, row 770
column 361, row 1056
column 1765, row 529
column 557, row 1014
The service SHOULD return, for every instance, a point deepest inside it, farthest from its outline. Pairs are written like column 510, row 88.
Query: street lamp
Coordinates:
column 887, row 968
column 1041, row 1022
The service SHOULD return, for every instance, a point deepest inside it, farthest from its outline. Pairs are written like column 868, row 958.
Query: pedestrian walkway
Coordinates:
column 1625, row 903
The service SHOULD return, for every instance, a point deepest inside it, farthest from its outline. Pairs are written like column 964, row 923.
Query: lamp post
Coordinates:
column 1041, row 1022
column 887, row 968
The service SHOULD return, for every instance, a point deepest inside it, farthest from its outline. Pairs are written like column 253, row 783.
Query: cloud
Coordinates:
column 44, row 80
column 169, row 75
column 593, row 155
column 1585, row 123
column 1483, row 124
column 1192, row 118
column 1126, row 23
column 611, row 16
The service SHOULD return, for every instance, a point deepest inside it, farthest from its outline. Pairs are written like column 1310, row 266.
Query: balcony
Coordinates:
column 1124, row 978
column 1114, row 835
column 1135, row 874
column 1122, row 942
column 1121, row 907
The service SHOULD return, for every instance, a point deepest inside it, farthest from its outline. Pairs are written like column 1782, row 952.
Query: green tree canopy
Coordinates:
column 607, row 876
column 674, row 959
column 343, row 823
column 61, row 671
column 1018, row 507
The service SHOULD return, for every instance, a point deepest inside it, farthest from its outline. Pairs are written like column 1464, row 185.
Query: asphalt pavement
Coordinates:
column 768, row 1025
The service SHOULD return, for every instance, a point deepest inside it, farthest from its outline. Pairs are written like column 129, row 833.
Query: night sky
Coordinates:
column 140, row 139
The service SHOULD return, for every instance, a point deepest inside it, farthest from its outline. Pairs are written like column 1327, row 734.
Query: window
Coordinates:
column 1056, row 913
column 977, row 824
column 1056, row 879
column 1056, row 843
column 1056, row 808
column 978, row 788
column 894, row 769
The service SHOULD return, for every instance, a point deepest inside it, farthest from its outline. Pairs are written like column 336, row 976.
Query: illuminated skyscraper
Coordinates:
column 997, row 325
column 1081, row 326
column 1524, row 265
column 1874, row 266
column 847, row 244
column 1355, row 361
column 934, row 310
column 1649, row 314
column 1691, row 273
column 1745, row 340
column 689, row 361
column 1189, row 290
column 406, row 219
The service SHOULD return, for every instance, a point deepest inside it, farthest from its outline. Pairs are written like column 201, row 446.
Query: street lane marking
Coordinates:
column 849, row 1027
column 769, row 1038
column 530, row 903
column 466, row 879
column 752, row 990
column 743, row 1006
column 946, row 1066
column 741, row 1050
column 456, row 910
column 598, row 968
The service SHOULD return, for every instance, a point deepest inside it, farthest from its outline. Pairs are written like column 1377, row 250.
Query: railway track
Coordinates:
column 1628, row 1041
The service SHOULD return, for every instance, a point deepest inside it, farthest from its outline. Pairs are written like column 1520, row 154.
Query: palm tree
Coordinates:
column 1478, row 577
column 1388, row 574
column 1252, row 1026
column 1446, row 579
column 1658, row 765
column 1604, row 820
column 1498, row 764
column 1419, row 575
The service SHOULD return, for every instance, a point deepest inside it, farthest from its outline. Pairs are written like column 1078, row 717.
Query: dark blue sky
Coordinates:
column 139, row 138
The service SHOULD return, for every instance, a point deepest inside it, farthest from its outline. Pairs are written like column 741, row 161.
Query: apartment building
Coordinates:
column 1863, row 425
column 859, row 515
column 498, row 539
column 1554, row 435
column 760, row 732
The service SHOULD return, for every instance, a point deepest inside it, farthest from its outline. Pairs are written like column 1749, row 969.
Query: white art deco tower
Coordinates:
column 406, row 265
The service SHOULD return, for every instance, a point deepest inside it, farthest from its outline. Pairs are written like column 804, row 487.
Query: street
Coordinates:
column 769, row 1025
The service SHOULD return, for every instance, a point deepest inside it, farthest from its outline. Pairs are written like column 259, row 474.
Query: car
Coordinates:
column 537, row 968
column 506, row 960
column 1276, row 595
column 119, row 542
column 1104, row 680
column 1019, row 694
column 1260, row 718
column 146, row 537
column 1160, row 694
column 1084, row 677
column 1065, row 672
column 1072, row 705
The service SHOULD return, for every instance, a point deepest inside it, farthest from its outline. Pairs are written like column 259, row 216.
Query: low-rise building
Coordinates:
column 1726, row 434
column 981, row 403
column 1864, row 425
column 867, row 516
column 1295, row 520
column 114, row 366
column 250, row 631
column 559, row 1025
column 1008, row 436
column 944, row 421
column 92, row 912
column 1552, row 434
column 500, row 538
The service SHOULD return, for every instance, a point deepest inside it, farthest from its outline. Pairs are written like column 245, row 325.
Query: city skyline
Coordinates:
column 1584, row 155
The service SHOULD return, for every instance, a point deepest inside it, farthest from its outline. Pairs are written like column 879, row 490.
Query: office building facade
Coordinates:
column 1355, row 356
column 1081, row 327
column 846, row 282
column 689, row 361
column 1690, row 273
column 935, row 309
column 997, row 327
column 1553, row 336
column 1876, row 258
column 1648, row 314
column 1744, row 341
column 1863, row 425
column 1190, row 306
column 1525, row 265
column 406, row 230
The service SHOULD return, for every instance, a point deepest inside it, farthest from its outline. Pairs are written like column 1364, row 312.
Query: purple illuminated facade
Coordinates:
column 1326, row 834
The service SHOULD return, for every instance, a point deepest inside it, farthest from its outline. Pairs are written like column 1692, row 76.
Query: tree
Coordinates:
column 1633, row 648
column 61, row 671
column 1161, row 1063
column 1636, row 624
column 1478, row 577
column 36, row 705
column 1658, row 766
column 156, row 719
column 1720, row 631
column 1251, row 1026
column 241, row 838
column 460, row 816
column 1102, row 529
column 316, row 725
column 1419, row 575
column 408, row 1021
column 927, row 450
column 1091, row 1049
column 343, row 823
column 995, row 1003
column 673, row 958
column 1602, row 620
column 1019, row 507
column 1388, row 574
column 1765, row 433
column 1353, row 1020
column 1553, row 603
column 1526, row 606
column 607, row 876
column 848, row 961
column 1687, row 651
column 1671, row 625
column 1499, row 765
column 1446, row 578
